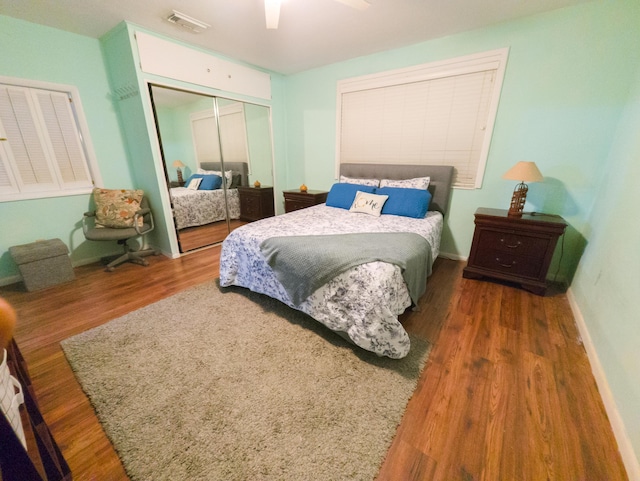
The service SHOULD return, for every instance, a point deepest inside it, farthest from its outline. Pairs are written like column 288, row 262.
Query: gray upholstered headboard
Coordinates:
column 439, row 186
column 241, row 168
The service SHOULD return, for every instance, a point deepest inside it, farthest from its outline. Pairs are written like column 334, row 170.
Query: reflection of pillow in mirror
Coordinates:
column 210, row 182
column 367, row 203
column 350, row 180
column 228, row 174
column 194, row 183
column 236, row 180
column 417, row 183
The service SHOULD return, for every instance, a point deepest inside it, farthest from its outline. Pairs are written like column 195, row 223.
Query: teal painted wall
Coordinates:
column 564, row 91
column 35, row 52
column 607, row 282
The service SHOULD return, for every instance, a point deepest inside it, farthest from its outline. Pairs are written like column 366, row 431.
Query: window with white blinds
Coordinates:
column 42, row 153
column 433, row 114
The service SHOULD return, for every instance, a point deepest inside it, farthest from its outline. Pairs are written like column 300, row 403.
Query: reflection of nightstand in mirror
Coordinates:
column 175, row 183
column 294, row 199
column 256, row 202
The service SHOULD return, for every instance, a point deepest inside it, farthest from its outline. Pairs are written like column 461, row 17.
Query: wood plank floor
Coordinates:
column 507, row 392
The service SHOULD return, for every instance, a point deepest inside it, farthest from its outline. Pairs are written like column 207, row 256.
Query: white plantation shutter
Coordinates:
column 429, row 115
column 25, row 141
column 43, row 154
column 233, row 131
column 205, row 137
column 64, row 137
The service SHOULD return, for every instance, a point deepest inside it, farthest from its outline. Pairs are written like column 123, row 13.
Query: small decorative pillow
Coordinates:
column 367, row 203
column 193, row 183
column 417, row 183
column 342, row 195
column 117, row 207
column 349, row 180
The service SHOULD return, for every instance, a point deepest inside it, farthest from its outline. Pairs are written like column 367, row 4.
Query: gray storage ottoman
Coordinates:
column 43, row 263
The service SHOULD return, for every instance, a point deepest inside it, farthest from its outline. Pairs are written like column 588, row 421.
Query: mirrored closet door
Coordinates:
column 212, row 149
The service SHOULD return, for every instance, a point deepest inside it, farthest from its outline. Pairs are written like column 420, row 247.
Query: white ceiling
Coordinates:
column 312, row 33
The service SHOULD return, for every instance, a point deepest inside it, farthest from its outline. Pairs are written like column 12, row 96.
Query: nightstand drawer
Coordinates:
column 507, row 263
column 513, row 243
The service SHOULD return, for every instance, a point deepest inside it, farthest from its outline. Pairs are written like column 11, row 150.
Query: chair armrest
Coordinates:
column 85, row 216
column 146, row 212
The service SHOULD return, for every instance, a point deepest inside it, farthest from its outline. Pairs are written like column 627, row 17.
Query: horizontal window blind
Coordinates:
column 43, row 153
column 438, row 118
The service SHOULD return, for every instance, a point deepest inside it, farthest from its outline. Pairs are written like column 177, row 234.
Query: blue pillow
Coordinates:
column 405, row 202
column 342, row 195
column 210, row 182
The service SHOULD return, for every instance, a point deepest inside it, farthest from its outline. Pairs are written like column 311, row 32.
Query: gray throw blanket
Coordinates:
column 303, row 264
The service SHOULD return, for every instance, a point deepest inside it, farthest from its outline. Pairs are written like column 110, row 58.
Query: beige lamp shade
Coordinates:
column 523, row 171
column 178, row 164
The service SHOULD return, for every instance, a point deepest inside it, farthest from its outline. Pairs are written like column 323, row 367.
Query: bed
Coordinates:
column 193, row 208
column 363, row 302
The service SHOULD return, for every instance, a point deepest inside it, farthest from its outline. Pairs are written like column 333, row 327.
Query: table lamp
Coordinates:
column 179, row 165
column 524, row 172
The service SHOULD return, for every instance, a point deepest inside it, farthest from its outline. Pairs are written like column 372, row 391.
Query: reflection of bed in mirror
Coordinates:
column 193, row 208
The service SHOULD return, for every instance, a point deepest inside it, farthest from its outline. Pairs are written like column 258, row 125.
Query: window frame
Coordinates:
column 59, row 188
column 469, row 64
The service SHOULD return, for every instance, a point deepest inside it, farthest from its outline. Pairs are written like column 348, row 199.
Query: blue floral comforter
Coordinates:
column 364, row 302
column 199, row 207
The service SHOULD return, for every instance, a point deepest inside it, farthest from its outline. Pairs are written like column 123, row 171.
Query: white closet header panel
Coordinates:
column 167, row 59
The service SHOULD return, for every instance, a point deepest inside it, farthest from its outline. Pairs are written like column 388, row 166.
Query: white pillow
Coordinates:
column 417, row 183
column 227, row 173
column 367, row 203
column 350, row 180
column 194, row 184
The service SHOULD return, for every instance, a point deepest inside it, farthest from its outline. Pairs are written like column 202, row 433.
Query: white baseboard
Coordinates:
column 453, row 257
column 6, row 281
column 625, row 447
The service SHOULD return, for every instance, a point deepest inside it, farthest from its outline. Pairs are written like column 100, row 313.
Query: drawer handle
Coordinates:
column 511, row 246
column 509, row 266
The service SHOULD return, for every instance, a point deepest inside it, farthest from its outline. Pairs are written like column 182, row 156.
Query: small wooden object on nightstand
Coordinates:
column 295, row 199
column 256, row 202
column 516, row 249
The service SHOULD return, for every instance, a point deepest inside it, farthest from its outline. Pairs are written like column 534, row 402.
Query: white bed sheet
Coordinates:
column 199, row 207
column 363, row 302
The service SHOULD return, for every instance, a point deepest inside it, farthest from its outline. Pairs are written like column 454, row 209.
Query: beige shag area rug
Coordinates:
column 225, row 385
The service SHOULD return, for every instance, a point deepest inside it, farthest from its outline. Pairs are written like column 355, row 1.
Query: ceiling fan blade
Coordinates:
column 272, row 13
column 357, row 4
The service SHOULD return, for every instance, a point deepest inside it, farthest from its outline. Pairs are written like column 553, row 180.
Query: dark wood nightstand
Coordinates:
column 256, row 202
column 516, row 249
column 175, row 183
column 294, row 199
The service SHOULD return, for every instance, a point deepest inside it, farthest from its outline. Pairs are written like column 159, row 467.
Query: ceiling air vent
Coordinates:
column 187, row 22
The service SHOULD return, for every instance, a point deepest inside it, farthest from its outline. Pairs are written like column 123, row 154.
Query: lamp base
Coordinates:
column 518, row 199
column 180, row 179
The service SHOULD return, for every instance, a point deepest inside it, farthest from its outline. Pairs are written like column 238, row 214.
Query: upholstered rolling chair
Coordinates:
column 120, row 215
